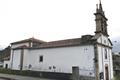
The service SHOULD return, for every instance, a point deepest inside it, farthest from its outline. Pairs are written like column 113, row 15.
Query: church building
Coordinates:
column 91, row 53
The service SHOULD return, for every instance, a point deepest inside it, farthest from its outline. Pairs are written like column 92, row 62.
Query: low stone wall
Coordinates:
column 49, row 75
column 86, row 78
column 76, row 76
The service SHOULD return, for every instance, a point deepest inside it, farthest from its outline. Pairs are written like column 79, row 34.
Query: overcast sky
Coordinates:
column 53, row 19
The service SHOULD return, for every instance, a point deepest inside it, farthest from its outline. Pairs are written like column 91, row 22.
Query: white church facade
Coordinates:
column 91, row 53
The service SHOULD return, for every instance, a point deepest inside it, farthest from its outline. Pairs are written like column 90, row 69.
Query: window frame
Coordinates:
column 41, row 58
column 106, row 53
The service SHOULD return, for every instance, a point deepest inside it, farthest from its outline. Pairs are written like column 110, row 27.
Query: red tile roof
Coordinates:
column 87, row 39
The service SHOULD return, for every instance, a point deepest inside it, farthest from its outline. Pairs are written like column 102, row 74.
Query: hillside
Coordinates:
column 5, row 53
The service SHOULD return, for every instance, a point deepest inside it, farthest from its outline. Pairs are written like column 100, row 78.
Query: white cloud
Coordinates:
column 52, row 19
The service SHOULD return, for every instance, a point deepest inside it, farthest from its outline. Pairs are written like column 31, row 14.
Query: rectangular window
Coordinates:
column 106, row 53
column 41, row 59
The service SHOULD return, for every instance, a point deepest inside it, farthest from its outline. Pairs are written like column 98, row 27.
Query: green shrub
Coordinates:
column 116, row 77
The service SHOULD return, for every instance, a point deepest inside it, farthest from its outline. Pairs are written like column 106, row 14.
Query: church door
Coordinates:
column 106, row 73
column 6, row 66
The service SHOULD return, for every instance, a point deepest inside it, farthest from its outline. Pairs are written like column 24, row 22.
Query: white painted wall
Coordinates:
column 20, row 44
column 6, row 62
column 104, row 40
column 15, row 63
column 26, row 59
column 62, row 58
column 101, row 53
column 111, row 63
column 15, row 55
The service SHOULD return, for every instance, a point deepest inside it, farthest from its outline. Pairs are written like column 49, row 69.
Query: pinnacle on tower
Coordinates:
column 100, row 5
column 99, row 8
column 101, row 21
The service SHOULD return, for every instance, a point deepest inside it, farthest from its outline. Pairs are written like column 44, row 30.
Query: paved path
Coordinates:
column 17, row 77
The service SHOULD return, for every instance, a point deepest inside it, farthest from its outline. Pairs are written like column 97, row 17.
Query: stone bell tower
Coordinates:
column 103, row 47
column 101, row 21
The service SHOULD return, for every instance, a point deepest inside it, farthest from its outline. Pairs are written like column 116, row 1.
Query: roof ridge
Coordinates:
column 27, row 40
